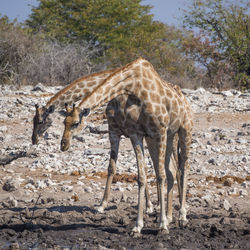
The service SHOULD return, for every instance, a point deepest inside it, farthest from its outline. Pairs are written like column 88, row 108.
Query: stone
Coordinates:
column 102, row 129
column 10, row 185
column 3, row 129
column 10, row 202
column 123, row 198
column 212, row 161
column 39, row 87
column 233, row 191
column 40, row 184
column 95, row 151
column 241, row 140
column 243, row 192
column 13, row 202
column 245, row 184
column 208, row 198
column 67, row 188
column 88, row 189
column 227, row 93
column 30, row 186
column 227, row 205
column 14, row 246
column 228, row 182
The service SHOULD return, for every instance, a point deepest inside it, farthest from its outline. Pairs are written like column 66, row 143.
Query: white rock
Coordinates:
column 49, row 182
column 10, row 185
column 243, row 192
column 67, row 188
column 40, row 184
column 88, row 189
column 3, row 129
column 233, row 191
column 226, row 205
column 39, row 87
column 80, row 183
column 29, row 186
column 12, row 202
column 227, row 93
column 208, row 198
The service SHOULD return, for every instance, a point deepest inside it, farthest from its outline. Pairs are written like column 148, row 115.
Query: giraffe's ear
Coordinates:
column 63, row 113
column 84, row 112
column 51, row 109
column 68, row 109
column 37, row 109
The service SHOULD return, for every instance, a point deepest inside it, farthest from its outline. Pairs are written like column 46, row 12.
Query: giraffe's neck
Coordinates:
column 78, row 89
column 135, row 78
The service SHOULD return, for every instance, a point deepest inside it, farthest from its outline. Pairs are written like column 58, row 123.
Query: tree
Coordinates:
column 15, row 46
column 223, row 31
column 119, row 26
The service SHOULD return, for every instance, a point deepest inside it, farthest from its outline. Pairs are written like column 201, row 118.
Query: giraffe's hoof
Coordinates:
column 99, row 209
column 135, row 233
column 150, row 209
column 163, row 231
column 169, row 220
column 183, row 223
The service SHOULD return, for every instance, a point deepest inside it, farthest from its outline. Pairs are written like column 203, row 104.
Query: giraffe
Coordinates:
column 120, row 123
column 71, row 94
column 158, row 112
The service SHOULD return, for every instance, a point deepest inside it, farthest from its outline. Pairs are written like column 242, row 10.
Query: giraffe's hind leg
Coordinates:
column 149, row 204
column 184, row 142
column 171, row 174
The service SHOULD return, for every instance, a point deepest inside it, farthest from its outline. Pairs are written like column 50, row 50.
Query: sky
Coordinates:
column 166, row 11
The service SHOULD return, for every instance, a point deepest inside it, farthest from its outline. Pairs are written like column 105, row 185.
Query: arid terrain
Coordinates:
column 48, row 197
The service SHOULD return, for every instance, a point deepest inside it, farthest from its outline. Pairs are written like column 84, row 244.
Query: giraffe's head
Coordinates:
column 41, row 122
column 73, row 123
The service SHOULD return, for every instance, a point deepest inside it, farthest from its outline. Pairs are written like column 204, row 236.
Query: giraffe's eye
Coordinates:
column 75, row 125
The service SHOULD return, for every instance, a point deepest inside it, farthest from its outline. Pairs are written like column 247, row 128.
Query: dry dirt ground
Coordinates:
column 54, row 219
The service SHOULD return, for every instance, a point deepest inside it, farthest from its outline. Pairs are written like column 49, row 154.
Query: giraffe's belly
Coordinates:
column 126, row 116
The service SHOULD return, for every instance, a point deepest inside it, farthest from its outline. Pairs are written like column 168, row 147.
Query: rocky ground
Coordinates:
column 48, row 197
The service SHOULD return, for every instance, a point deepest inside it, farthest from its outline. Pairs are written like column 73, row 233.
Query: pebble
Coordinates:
column 226, row 205
column 10, row 185
column 3, row 129
column 207, row 155
column 243, row 192
column 88, row 189
column 67, row 188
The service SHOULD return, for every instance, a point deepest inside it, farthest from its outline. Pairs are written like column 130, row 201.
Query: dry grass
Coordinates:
column 227, row 180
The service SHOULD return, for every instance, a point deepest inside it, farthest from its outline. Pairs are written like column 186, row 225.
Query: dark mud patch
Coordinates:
column 79, row 227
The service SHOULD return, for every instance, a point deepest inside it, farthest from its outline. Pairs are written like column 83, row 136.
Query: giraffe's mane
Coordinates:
column 68, row 87
column 115, row 72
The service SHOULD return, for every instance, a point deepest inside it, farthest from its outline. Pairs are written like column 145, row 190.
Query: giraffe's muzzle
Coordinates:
column 64, row 145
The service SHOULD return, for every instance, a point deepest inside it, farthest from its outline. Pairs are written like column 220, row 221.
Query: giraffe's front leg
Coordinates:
column 149, row 205
column 157, row 150
column 171, row 173
column 163, row 219
column 161, row 178
column 114, row 142
column 171, row 167
column 139, row 222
